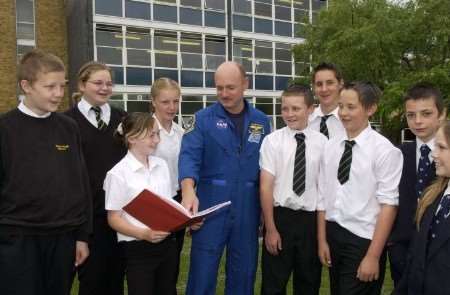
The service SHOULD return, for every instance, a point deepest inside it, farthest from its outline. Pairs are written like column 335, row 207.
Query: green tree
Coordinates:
column 393, row 44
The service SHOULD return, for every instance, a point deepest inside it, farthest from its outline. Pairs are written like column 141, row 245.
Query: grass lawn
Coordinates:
column 387, row 287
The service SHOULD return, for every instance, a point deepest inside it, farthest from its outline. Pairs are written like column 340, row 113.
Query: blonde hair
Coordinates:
column 134, row 125
column 85, row 72
column 438, row 186
column 163, row 84
column 38, row 61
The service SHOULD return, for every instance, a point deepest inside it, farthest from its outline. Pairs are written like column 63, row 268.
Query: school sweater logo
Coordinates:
column 62, row 147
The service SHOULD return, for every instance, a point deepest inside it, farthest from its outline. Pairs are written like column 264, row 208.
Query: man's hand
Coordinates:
column 368, row 269
column 273, row 241
column 81, row 252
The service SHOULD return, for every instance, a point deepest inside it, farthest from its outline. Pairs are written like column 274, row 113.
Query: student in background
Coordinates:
column 289, row 161
column 103, row 272
column 358, row 196
column 327, row 83
column 165, row 102
column 428, row 265
column 424, row 109
column 45, row 204
column 150, row 255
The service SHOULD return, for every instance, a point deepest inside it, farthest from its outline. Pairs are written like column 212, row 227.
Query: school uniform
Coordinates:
column 150, row 267
column 169, row 150
column 428, row 265
column 299, row 242
column 352, row 208
column 330, row 125
column 45, row 203
column 221, row 153
column 103, row 271
column 409, row 193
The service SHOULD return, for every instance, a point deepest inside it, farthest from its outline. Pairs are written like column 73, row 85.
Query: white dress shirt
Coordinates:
column 169, row 150
column 27, row 111
column 128, row 178
column 374, row 177
column 85, row 108
column 419, row 143
column 334, row 124
column 277, row 156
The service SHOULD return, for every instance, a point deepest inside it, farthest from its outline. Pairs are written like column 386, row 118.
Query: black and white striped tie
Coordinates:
column 98, row 116
column 346, row 162
column 323, row 125
column 299, row 165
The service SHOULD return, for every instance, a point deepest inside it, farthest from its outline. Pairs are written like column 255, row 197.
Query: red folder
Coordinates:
column 164, row 214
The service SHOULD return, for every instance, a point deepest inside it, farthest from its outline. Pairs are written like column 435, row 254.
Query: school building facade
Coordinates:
column 142, row 40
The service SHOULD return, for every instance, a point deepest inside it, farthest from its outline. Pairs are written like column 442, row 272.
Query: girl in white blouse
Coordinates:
column 150, row 255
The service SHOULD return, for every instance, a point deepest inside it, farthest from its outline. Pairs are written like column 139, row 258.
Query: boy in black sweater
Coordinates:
column 45, row 205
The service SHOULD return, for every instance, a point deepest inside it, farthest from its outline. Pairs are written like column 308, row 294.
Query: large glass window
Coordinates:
column 165, row 13
column 263, row 9
column 263, row 57
column 138, row 47
column 283, row 28
column 214, row 19
column 139, row 76
column 214, row 52
column 263, row 82
column 243, row 53
column 108, row 7
column 190, row 16
column 215, row 4
column 165, row 48
column 281, row 82
column 265, row 105
column 302, row 4
column 25, row 19
column 191, row 104
column 191, row 51
column 172, row 74
column 137, row 9
column 192, row 3
column 242, row 6
column 242, row 23
column 109, row 42
column 283, row 58
column 191, row 78
column 263, row 26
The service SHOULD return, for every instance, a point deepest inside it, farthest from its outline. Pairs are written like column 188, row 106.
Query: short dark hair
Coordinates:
column 38, row 61
column 425, row 90
column 300, row 90
column 368, row 93
column 327, row 66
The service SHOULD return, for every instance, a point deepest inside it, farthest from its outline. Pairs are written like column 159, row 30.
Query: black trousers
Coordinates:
column 398, row 253
column 103, row 272
column 151, row 268
column 36, row 265
column 347, row 252
column 298, row 231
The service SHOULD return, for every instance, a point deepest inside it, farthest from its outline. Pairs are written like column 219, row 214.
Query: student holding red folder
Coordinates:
column 150, row 255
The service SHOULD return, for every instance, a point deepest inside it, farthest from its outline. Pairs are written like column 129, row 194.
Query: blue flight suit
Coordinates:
column 224, row 168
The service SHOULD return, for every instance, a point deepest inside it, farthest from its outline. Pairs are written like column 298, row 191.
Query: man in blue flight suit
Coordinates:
column 219, row 157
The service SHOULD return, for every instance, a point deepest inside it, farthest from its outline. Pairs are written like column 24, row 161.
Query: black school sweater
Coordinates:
column 102, row 150
column 43, row 181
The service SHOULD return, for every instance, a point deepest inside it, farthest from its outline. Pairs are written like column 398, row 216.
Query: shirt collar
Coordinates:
column 292, row 132
column 318, row 112
column 135, row 165
column 85, row 106
column 419, row 143
column 362, row 137
column 174, row 128
column 27, row 111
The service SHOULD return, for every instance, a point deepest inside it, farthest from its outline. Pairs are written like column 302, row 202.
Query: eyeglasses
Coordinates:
column 100, row 84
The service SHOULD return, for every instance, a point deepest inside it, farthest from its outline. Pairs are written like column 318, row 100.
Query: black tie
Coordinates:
column 298, row 181
column 98, row 116
column 323, row 125
column 423, row 169
column 346, row 162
